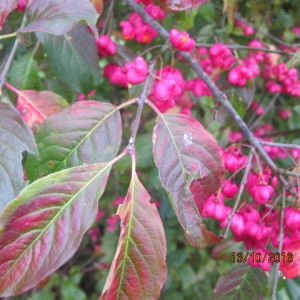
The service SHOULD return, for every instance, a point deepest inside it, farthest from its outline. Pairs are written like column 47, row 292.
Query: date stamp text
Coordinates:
column 258, row 257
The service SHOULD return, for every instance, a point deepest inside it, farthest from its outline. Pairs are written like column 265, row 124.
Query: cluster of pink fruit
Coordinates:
column 257, row 219
column 171, row 89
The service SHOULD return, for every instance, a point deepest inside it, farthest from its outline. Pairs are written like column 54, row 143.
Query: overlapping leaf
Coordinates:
column 58, row 17
column 73, row 58
column 190, row 167
column 6, row 6
column 84, row 133
column 35, row 107
column 43, row 227
column 15, row 138
column 138, row 270
column 242, row 282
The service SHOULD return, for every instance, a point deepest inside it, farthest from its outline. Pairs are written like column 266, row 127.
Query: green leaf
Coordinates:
column 58, row 17
column 24, row 73
column 294, row 61
column 15, row 138
column 229, row 7
column 43, row 227
column 242, row 282
column 284, row 19
column 73, row 58
column 238, row 102
column 84, row 133
column 139, row 269
column 207, row 11
column 190, row 168
column 143, row 146
column 292, row 288
column 186, row 19
column 293, row 121
column 188, row 275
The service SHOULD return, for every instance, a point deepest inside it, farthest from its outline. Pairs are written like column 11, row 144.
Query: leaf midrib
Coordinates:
column 89, row 133
column 43, row 231
column 128, row 237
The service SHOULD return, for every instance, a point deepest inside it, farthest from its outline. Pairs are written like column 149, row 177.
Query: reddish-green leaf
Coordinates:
column 290, row 265
column 15, row 138
column 35, row 107
column 242, row 282
column 85, row 132
column 226, row 249
column 179, row 5
column 43, row 227
column 185, row 153
column 58, row 17
column 6, row 6
column 139, row 269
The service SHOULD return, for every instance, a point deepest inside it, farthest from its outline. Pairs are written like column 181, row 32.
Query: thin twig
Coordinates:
column 270, row 36
column 8, row 64
column 248, row 48
column 281, row 133
column 108, row 17
column 282, row 145
column 127, row 103
column 219, row 96
column 239, row 196
column 11, row 56
column 281, row 234
column 141, row 101
column 268, row 108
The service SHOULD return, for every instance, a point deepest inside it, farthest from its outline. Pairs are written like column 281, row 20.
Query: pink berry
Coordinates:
column 155, row 11
column 137, row 71
column 105, row 46
column 237, row 225
column 181, row 40
column 229, row 189
column 285, row 114
column 248, row 30
column 221, row 56
column 116, row 74
column 263, row 193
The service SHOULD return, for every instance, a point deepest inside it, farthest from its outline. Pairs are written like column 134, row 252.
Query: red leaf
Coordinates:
column 35, row 106
column 43, row 227
column 179, row 5
column 290, row 265
column 185, row 153
column 139, row 269
column 6, row 6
